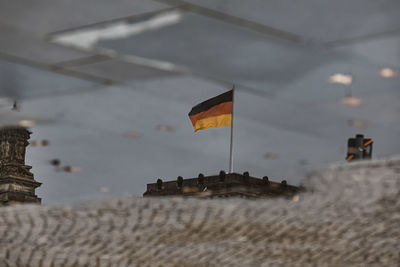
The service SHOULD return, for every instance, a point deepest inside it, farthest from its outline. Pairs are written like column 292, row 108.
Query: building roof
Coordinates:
column 222, row 185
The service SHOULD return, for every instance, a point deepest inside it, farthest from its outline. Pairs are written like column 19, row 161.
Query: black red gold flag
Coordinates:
column 214, row 112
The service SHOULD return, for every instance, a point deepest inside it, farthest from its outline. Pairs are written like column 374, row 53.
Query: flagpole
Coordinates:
column 231, row 152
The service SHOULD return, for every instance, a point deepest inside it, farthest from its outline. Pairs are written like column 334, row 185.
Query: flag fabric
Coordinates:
column 214, row 112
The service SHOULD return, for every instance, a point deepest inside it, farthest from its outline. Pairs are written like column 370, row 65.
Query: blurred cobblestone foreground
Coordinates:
column 351, row 219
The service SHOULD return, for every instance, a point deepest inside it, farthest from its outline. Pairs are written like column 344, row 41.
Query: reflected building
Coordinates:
column 17, row 184
column 222, row 186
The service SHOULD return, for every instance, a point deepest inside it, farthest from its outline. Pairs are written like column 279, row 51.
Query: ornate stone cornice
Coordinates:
column 13, row 143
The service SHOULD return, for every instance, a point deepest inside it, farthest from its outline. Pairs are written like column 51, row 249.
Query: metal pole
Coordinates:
column 231, row 153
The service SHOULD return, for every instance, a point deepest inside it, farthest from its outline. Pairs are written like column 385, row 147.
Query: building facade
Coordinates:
column 222, row 185
column 17, row 184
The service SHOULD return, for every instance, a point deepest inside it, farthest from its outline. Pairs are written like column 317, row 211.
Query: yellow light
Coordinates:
column 388, row 73
column 164, row 128
column 271, row 155
column 351, row 101
column 190, row 189
column 104, row 189
column 133, row 134
column 43, row 142
column 26, row 123
column 341, row 78
column 296, row 198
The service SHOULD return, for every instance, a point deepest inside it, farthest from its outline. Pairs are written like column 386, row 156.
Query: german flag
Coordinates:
column 214, row 112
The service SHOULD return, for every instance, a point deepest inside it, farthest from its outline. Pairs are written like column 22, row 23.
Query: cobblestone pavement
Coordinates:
column 351, row 218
